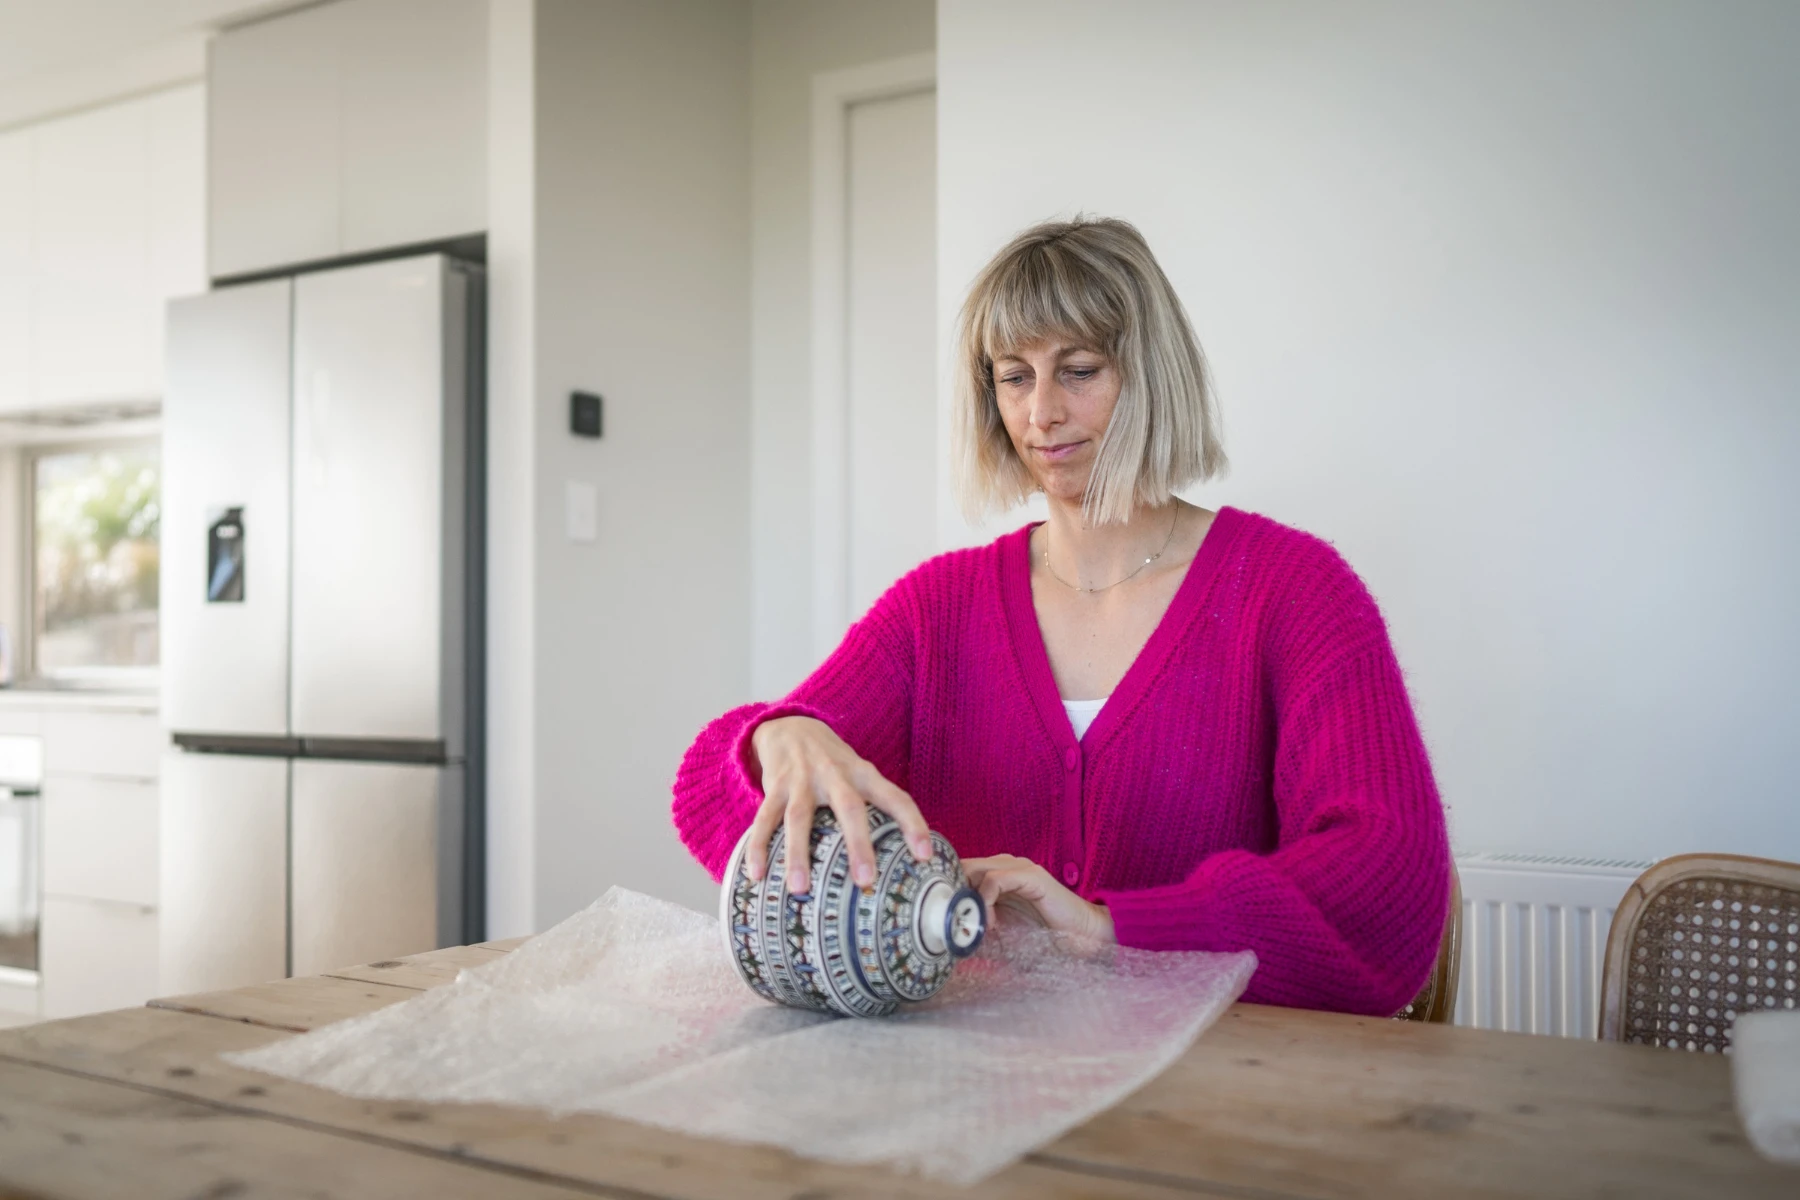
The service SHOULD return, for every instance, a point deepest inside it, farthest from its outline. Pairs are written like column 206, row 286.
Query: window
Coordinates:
column 96, row 512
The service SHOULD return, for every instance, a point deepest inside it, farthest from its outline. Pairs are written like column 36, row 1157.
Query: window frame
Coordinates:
column 25, row 652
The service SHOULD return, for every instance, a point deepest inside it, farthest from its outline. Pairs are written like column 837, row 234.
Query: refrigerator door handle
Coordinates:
column 255, row 745
column 425, row 751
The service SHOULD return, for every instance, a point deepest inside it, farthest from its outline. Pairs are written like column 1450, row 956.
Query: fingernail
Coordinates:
column 797, row 884
column 921, row 848
column 755, row 870
column 864, row 874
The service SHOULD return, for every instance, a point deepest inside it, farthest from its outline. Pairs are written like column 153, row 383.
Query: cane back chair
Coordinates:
column 1436, row 1001
column 1697, row 940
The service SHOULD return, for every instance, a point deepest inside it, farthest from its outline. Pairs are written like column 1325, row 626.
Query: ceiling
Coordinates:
column 48, row 37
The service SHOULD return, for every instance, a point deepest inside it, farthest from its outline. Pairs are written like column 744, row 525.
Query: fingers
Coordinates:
column 852, row 815
column 812, row 766
column 799, row 823
column 756, row 854
column 898, row 805
column 1005, row 880
column 991, row 886
column 991, row 876
column 1025, row 911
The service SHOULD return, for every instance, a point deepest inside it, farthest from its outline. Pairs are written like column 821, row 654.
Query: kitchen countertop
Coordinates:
column 79, row 698
column 1270, row 1104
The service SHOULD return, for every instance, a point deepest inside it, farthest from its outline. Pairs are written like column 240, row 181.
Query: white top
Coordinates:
column 1082, row 714
column 1765, row 1075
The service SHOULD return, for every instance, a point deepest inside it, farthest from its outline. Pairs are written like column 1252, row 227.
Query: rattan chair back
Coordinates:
column 1436, row 1001
column 1697, row 940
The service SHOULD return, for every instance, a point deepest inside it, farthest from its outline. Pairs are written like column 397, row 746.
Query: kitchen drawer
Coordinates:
column 101, row 838
column 97, row 956
column 21, row 720
column 124, row 745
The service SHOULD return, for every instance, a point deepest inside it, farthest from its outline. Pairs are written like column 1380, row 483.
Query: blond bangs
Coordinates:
column 1043, row 297
column 1095, row 284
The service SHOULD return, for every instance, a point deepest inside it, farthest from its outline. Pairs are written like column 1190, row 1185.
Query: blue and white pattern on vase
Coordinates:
column 842, row 949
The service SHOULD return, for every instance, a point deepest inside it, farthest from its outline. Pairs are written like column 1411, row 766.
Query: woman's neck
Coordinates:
column 1094, row 557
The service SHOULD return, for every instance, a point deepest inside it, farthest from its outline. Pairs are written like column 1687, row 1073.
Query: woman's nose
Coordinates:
column 1047, row 407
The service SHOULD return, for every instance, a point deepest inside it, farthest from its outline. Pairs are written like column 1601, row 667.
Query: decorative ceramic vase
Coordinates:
column 842, row 949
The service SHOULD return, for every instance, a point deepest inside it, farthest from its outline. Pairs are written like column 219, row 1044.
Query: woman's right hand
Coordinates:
column 804, row 764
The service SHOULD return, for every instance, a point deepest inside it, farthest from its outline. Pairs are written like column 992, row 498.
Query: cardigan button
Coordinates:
column 1071, row 758
column 1071, row 874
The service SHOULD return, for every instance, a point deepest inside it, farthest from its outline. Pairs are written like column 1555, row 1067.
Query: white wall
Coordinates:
column 1501, row 300
column 792, row 40
column 641, row 293
column 512, row 644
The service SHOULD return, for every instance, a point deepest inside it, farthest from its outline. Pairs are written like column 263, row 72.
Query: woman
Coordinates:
column 1151, row 723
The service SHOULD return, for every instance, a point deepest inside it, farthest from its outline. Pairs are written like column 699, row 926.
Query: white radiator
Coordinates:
column 1533, row 940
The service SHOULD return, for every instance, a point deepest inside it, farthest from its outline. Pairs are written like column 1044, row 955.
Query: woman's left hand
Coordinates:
column 1020, row 879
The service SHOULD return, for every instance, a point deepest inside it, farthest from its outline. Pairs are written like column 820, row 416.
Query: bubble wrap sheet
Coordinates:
column 633, row 1009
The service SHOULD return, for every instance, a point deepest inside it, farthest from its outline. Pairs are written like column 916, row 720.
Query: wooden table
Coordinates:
column 1271, row 1104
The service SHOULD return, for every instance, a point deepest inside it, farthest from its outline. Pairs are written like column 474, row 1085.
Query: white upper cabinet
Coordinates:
column 91, row 236
column 272, row 175
column 15, row 269
column 344, row 128
column 177, row 194
column 414, row 92
column 102, row 219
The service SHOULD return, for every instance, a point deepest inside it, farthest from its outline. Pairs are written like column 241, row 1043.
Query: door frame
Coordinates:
column 833, row 94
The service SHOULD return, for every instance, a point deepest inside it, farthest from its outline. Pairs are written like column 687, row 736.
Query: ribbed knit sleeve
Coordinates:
column 863, row 691
column 1346, row 911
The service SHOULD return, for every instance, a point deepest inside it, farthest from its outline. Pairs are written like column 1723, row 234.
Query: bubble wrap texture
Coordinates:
column 632, row 1008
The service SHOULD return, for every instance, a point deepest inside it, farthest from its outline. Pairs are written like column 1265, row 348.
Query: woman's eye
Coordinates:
column 1083, row 372
column 1012, row 380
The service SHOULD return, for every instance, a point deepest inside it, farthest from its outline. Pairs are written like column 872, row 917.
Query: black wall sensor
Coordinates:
column 584, row 414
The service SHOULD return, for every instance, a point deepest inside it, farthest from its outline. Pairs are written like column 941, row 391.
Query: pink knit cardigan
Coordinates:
column 1256, row 781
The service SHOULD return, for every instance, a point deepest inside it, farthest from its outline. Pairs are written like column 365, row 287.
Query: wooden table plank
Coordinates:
column 1325, row 1105
column 63, row 1136
column 294, row 1005
column 177, row 1053
column 432, row 969
column 298, row 1005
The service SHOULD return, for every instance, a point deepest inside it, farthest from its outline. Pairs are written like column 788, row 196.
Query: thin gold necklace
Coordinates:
column 1173, row 518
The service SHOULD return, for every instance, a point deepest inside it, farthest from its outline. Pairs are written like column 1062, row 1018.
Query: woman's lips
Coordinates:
column 1055, row 453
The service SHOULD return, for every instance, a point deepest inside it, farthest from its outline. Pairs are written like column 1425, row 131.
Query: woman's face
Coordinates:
column 1055, row 400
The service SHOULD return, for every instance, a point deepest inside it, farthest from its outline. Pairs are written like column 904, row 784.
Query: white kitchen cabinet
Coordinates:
column 121, row 745
column 15, row 269
column 101, row 839
column 414, row 94
column 177, row 200
column 97, row 955
column 90, row 234
column 272, row 136
column 102, row 219
column 345, row 128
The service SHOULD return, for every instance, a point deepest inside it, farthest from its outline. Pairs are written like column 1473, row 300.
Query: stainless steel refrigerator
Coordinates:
column 322, row 622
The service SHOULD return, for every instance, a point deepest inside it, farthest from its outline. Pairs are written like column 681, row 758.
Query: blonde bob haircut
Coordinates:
column 1093, row 283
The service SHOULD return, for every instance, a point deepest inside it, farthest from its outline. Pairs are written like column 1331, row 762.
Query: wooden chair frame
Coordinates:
column 1729, row 868
column 1436, row 1001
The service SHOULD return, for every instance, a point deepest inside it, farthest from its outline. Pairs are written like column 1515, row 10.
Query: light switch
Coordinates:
column 581, row 511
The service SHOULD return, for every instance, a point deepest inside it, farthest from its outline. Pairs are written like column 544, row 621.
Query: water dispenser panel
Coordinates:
column 225, row 557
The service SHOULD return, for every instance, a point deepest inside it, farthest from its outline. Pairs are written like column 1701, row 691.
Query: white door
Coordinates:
column 891, row 341
column 874, row 335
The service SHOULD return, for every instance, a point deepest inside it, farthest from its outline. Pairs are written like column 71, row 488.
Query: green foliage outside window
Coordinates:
column 98, row 513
